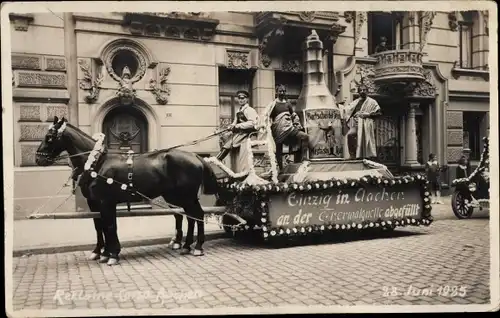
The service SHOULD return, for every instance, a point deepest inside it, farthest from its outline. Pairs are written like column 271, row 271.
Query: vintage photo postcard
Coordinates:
column 248, row 157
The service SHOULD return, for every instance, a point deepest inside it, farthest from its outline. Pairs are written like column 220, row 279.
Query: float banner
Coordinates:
column 324, row 129
column 345, row 206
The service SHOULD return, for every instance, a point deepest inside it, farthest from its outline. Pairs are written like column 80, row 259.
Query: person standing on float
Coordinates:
column 244, row 124
column 285, row 126
column 359, row 124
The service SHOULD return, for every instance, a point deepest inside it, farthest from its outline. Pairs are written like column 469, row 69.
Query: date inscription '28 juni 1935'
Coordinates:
column 345, row 206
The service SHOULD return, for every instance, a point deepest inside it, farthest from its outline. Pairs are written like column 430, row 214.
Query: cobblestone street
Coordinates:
column 447, row 263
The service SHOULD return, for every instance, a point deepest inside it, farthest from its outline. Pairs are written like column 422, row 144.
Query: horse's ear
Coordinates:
column 55, row 120
column 63, row 119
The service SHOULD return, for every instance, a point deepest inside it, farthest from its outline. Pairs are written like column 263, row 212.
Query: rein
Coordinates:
column 121, row 152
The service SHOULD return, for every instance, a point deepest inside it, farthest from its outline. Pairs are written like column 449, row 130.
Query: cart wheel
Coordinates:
column 459, row 206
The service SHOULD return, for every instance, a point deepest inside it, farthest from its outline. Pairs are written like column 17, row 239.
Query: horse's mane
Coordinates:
column 80, row 131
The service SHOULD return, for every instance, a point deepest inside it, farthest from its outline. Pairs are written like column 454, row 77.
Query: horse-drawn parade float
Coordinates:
column 319, row 192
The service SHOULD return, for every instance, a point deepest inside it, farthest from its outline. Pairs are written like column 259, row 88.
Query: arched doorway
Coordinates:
column 126, row 128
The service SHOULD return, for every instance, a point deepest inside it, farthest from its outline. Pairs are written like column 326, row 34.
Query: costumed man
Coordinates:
column 285, row 126
column 244, row 124
column 358, row 125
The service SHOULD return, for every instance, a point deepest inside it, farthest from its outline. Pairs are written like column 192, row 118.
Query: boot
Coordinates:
column 438, row 197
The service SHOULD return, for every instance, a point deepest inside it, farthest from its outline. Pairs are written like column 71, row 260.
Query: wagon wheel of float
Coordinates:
column 460, row 205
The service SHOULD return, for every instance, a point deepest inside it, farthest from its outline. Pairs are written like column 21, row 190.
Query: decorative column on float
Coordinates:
column 411, row 153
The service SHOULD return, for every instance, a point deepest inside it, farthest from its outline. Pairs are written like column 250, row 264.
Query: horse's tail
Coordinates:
column 210, row 185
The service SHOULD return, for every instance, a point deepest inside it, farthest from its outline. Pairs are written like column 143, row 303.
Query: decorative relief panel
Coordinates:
column 26, row 62
column 28, row 155
column 33, row 132
column 55, row 64
column 39, row 79
column 238, row 59
column 59, row 111
column 454, row 120
column 29, row 113
column 453, row 154
column 455, row 137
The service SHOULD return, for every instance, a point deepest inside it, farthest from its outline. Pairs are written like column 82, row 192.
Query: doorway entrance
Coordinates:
column 126, row 128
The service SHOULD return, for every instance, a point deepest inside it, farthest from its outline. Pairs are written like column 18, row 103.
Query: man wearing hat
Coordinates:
column 243, row 125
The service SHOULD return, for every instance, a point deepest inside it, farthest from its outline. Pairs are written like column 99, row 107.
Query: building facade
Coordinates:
column 154, row 80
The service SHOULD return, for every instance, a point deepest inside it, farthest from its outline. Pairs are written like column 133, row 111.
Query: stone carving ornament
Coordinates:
column 453, row 20
column 237, row 60
column 141, row 61
column 89, row 83
column 426, row 19
column 307, row 16
column 291, row 65
column 364, row 75
column 159, row 88
column 349, row 16
column 361, row 18
column 126, row 92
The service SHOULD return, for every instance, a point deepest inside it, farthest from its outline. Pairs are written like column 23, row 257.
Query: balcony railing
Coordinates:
column 399, row 66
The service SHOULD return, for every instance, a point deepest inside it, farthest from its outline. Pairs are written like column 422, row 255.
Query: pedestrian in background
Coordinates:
column 462, row 168
column 432, row 170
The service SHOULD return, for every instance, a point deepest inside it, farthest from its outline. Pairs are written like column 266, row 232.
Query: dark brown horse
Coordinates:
column 178, row 176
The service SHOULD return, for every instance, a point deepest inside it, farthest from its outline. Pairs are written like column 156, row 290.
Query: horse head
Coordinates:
column 52, row 144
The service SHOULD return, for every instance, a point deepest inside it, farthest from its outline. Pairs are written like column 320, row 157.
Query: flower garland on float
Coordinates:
column 263, row 192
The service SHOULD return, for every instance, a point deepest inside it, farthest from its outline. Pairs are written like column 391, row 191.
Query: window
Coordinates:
column 472, row 133
column 465, row 30
column 384, row 25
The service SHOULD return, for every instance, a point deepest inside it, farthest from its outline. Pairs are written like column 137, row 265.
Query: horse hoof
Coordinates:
column 103, row 259
column 94, row 256
column 185, row 251
column 198, row 252
column 112, row 261
column 176, row 246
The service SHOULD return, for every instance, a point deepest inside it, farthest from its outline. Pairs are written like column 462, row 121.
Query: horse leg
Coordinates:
column 189, row 236
column 200, row 226
column 108, row 216
column 96, row 253
column 177, row 240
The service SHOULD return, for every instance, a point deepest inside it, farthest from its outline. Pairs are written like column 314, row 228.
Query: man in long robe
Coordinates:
column 359, row 124
column 244, row 124
column 285, row 126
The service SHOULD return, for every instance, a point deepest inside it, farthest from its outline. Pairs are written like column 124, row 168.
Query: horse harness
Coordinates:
column 130, row 174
